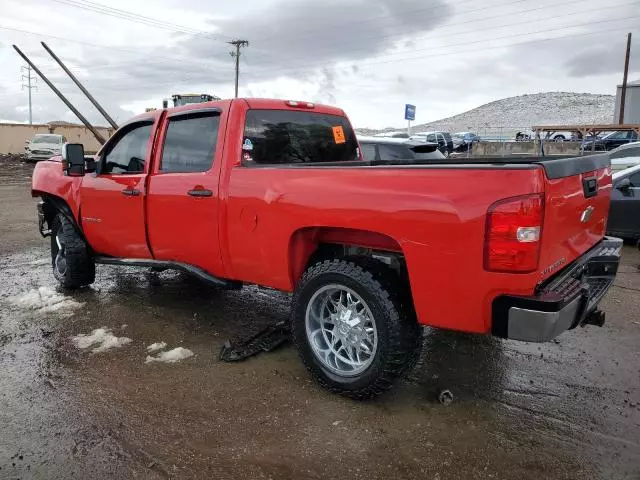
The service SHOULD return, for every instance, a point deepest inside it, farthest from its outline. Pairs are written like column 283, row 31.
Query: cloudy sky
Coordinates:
column 368, row 56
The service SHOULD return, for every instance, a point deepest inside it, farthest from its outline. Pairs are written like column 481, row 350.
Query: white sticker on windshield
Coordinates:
column 247, row 145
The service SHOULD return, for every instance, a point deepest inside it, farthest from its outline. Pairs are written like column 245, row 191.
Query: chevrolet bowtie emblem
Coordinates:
column 586, row 215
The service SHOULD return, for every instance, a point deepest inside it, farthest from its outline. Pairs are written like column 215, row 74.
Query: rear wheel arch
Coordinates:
column 312, row 244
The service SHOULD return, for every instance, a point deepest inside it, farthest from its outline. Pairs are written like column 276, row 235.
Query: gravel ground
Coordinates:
column 568, row 409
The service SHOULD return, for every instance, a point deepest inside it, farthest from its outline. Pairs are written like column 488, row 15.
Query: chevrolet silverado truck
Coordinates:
column 276, row 193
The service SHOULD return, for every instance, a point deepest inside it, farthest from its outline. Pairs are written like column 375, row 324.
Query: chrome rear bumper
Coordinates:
column 565, row 301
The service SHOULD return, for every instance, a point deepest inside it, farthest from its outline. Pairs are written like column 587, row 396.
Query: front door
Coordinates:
column 112, row 199
column 624, row 213
column 182, row 206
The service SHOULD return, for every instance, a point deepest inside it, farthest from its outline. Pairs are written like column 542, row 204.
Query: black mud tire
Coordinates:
column 78, row 269
column 399, row 335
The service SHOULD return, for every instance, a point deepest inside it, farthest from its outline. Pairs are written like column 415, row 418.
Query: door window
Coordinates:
column 128, row 154
column 285, row 136
column 368, row 151
column 622, row 135
column 190, row 143
column 635, row 179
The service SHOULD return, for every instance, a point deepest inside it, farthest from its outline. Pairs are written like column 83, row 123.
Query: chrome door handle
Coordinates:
column 131, row 192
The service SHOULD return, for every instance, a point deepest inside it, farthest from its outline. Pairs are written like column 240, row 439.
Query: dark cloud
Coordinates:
column 600, row 59
column 290, row 33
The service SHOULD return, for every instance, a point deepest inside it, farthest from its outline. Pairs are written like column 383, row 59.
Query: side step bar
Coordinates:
column 184, row 267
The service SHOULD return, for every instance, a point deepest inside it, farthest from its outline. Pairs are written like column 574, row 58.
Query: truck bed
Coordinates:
column 554, row 167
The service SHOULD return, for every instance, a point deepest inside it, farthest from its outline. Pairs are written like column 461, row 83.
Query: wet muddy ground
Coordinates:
column 565, row 409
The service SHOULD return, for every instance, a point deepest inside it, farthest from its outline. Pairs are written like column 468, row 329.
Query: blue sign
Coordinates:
column 409, row 112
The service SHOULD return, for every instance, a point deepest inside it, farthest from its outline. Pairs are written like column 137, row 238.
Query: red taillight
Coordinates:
column 512, row 236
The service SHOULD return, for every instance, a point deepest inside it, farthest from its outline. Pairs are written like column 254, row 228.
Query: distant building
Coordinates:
column 631, row 104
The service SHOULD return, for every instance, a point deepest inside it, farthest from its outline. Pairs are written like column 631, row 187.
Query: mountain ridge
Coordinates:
column 520, row 113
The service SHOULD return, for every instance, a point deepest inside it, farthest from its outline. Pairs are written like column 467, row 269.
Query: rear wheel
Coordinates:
column 72, row 263
column 354, row 335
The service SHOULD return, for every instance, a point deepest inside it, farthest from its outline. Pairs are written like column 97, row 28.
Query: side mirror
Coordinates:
column 73, row 159
column 624, row 184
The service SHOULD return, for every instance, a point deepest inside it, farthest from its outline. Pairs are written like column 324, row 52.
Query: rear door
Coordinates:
column 182, row 207
column 112, row 199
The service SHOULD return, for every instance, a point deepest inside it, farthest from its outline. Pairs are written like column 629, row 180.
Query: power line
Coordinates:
column 107, row 47
column 303, row 69
column 325, row 64
column 134, row 17
column 457, row 34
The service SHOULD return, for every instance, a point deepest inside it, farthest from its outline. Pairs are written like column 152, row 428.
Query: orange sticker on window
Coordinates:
column 338, row 134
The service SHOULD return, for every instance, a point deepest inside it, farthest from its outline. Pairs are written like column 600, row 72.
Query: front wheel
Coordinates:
column 355, row 335
column 72, row 263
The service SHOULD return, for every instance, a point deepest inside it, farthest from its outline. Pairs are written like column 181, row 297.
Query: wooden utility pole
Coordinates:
column 238, row 44
column 623, row 93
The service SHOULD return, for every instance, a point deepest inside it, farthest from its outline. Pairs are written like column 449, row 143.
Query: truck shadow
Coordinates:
column 470, row 366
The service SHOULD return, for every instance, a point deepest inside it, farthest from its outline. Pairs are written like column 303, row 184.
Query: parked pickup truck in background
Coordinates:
column 276, row 193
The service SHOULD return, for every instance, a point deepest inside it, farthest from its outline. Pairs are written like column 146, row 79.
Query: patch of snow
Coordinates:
column 154, row 347
column 172, row 356
column 44, row 299
column 102, row 338
column 509, row 115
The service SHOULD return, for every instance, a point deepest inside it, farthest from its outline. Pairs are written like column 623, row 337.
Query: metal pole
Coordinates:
column 81, row 87
column 96, row 134
column 29, row 87
column 409, row 127
column 623, row 93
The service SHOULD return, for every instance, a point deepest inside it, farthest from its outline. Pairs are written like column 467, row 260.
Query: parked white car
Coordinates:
column 44, row 146
column 625, row 156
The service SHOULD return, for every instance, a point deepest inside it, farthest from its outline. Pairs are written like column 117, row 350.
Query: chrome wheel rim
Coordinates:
column 341, row 330
column 60, row 261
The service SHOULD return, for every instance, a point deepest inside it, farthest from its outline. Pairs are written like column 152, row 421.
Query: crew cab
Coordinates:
column 276, row 193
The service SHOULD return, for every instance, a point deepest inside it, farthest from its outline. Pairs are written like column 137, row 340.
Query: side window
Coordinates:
column 635, row 179
column 368, row 151
column 190, row 143
column 395, row 152
column 431, row 138
column 621, row 135
column 290, row 136
column 128, row 153
column 627, row 152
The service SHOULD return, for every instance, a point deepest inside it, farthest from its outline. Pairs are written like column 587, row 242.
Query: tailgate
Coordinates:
column 577, row 196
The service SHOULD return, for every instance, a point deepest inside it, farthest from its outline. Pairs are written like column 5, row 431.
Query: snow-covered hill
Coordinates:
column 521, row 113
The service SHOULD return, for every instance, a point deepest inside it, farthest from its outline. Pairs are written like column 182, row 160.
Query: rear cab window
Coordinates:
column 277, row 137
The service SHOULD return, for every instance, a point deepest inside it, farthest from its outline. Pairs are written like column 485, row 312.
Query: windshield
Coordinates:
column 47, row 139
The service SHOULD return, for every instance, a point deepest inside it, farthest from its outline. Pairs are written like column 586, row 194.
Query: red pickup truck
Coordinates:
column 275, row 193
